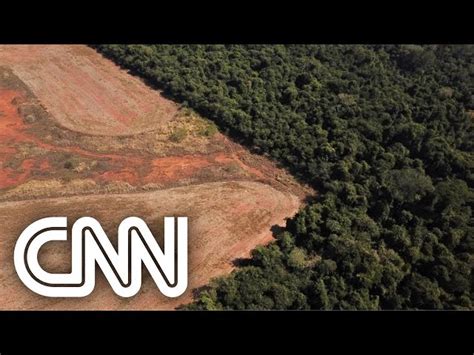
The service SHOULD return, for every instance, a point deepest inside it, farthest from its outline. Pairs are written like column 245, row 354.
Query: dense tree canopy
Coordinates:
column 384, row 133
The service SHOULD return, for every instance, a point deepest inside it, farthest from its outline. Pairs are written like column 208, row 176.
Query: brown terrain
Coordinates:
column 81, row 137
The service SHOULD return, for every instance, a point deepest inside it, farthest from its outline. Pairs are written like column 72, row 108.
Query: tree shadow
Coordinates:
column 241, row 262
column 196, row 292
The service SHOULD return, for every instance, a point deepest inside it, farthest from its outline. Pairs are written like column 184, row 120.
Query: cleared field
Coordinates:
column 226, row 221
column 84, row 92
column 34, row 149
column 77, row 139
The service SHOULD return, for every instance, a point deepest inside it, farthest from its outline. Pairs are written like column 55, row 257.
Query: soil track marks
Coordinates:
column 227, row 220
column 86, row 93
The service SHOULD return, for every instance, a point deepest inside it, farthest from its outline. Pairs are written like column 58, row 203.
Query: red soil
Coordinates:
column 136, row 170
column 11, row 132
column 44, row 165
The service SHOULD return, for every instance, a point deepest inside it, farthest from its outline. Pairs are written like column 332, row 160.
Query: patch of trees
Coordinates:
column 383, row 132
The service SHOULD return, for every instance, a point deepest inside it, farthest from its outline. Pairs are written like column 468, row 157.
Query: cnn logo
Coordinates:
column 90, row 246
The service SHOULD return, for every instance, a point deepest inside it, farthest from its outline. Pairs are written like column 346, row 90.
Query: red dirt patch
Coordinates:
column 134, row 169
column 10, row 133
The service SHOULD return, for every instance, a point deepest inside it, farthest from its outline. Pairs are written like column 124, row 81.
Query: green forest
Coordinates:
column 384, row 133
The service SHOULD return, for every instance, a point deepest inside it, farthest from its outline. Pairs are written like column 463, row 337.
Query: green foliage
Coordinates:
column 412, row 58
column 408, row 185
column 382, row 132
column 68, row 165
column 208, row 129
column 178, row 135
column 297, row 258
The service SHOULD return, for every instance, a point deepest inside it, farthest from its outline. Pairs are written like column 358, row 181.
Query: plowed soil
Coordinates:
column 86, row 93
column 227, row 220
column 79, row 136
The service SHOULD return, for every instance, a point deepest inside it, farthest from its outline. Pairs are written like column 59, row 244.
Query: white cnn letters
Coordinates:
column 121, row 267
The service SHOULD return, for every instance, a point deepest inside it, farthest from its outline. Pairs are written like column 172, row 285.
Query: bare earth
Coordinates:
column 81, row 137
column 86, row 93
